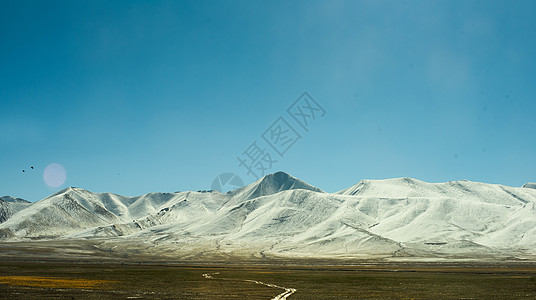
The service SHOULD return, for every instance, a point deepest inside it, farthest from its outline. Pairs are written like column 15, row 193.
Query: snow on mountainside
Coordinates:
column 271, row 184
column 180, row 210
column 282, row 216
column 13, row 200
column 445, row 212
column 73, row 210
column 9, row 206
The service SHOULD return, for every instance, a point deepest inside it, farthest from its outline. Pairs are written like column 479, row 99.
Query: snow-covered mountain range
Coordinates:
column 280, row 216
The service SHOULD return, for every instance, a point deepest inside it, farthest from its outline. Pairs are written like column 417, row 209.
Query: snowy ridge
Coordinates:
column 272, row 184
column 282, row 216
column 530, row 185
column 9, row 206
column 13, row 200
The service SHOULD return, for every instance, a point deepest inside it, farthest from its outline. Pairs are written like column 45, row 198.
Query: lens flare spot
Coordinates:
column 54, row 175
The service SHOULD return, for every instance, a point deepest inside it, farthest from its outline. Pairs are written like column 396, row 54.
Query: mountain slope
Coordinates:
column 272, row 184
column 73, row 210
column 281, row 216
column 9, row 206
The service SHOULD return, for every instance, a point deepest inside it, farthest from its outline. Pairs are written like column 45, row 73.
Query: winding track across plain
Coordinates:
column 282, row 296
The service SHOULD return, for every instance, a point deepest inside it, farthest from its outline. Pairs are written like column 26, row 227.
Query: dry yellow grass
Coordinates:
column 54, row 282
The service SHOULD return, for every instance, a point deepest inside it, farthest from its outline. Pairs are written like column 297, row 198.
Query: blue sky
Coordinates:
column 132, row 97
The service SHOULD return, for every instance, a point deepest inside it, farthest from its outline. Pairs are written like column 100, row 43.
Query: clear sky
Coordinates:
column 132, row 97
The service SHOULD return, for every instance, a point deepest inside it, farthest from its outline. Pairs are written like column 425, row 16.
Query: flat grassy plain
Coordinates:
column 75, row 280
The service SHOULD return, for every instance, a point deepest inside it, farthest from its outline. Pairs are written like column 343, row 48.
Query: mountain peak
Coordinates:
column 65, row 191
column 279, row 176
column 530, row 185
column 13, row 200
column 274, row 183
column 283, row 181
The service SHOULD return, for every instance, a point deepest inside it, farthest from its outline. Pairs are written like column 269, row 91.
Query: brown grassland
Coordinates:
column 75, row 280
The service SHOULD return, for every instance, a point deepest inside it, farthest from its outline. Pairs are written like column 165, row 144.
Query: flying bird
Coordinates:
column 31, row 167
column 23, row 171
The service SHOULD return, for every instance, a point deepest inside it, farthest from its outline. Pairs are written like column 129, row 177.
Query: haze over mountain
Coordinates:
column 280, row 216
